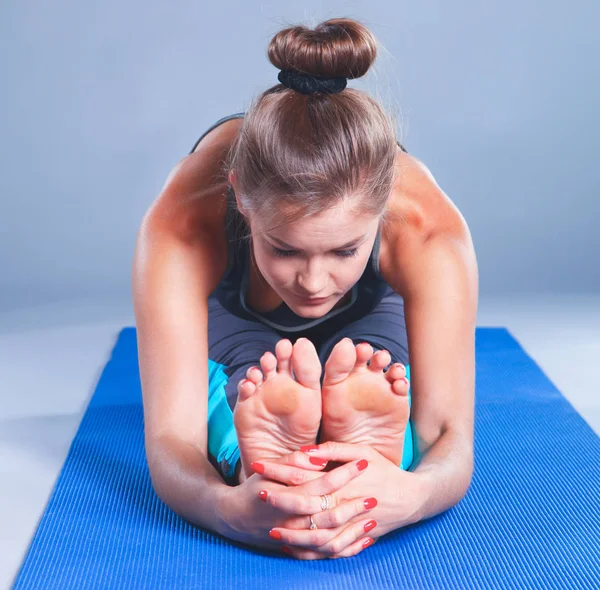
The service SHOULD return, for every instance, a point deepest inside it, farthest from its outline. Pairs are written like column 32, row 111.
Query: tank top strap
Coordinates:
column 374, row 261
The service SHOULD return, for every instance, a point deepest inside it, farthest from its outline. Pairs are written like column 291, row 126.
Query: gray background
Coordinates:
column 99, row 100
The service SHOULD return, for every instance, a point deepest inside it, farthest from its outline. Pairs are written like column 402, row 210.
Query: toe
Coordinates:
column 340, row 362
column 245, row 389
column 364, row 353
column 396, row 371
column 306, row 364
column 400, row 386
column 255, row 375
column 380, row 360
column 268, row 364
column 283, row 350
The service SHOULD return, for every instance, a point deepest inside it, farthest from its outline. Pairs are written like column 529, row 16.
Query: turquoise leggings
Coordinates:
column 222, row 438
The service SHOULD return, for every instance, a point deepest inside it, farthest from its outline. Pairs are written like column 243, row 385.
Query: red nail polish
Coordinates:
column 370, row 503
column 275, row 535
column 309, row 449
column 286, row 549
column 370, row 525
column 362, row 464
column 258, row 467
column 317, row 461
column 263, row 495
column 368, row 541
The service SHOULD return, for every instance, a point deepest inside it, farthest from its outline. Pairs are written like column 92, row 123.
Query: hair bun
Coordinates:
column 338, row 47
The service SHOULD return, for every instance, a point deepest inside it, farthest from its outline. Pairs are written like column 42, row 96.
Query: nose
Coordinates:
column 312, row 283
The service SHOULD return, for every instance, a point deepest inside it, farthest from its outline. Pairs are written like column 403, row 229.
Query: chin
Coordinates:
column 312, row 311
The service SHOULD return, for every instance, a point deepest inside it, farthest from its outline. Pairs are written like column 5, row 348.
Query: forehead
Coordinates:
column 341, row 221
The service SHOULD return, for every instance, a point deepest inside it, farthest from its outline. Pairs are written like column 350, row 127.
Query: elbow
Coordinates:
column 161, row 469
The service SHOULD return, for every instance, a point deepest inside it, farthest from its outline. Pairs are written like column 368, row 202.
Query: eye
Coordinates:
column 340, row 253
column 347, row 253
column 283, row 253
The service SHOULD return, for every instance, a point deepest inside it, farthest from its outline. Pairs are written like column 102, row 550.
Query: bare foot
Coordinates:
column 362, row 404
column 277, row 414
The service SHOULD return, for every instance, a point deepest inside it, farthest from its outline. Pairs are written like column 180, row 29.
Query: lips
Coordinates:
column 315, row 299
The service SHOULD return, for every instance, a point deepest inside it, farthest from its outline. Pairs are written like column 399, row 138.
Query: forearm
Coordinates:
column 185, row 480
column 445, row 473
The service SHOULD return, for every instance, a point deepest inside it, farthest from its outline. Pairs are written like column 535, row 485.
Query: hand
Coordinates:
column 247, row 518
column 398, row 492
column 330, row 539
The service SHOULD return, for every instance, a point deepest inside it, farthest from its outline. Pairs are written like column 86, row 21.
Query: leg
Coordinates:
column 265, row 413
column 384, row 329
column 234, row 345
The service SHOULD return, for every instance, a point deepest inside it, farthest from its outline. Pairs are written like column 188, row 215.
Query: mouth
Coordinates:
column 313, row 300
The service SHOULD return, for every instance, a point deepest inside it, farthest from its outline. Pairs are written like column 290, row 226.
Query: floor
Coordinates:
column 65, row 347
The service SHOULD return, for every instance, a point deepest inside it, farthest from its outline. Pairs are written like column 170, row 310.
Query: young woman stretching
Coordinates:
column 301, row 249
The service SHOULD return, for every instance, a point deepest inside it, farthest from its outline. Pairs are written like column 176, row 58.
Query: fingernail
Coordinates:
column 370, row 503
column 275, row 535
column 258, row 467
column 317, row 461
column 362, row 464
column 370, row 525
column 263, row 495
column 309, row 449
column 286, row 549
column 367, row 542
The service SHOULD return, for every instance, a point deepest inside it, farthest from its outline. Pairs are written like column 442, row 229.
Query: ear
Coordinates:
column 232, row 177
column 233, row 181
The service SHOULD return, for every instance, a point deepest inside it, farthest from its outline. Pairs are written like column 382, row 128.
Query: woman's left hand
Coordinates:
column 398, row 494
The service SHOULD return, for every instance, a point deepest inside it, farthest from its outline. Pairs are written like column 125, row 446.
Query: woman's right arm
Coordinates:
column 171, row 280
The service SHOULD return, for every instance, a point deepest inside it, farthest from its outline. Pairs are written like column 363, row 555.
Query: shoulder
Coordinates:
column 418, row 211
column 194, row 195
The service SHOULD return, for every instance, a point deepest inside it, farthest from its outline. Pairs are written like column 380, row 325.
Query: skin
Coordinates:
column 427, row 257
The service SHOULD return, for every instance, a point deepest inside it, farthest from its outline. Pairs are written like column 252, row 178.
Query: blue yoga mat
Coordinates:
column 531, row 518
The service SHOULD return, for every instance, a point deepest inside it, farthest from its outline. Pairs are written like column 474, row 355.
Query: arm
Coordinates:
column 440, row 311
column 170, row 282
column 184, row 479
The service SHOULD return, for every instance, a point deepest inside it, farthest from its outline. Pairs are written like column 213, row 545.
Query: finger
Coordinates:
column 347, row 538
column 355, row 547
column 287, row 473
column 300, row 459
column 337, row 451
column 305, row 499
column 306, row 554
column 328, row 541
column 334, row 518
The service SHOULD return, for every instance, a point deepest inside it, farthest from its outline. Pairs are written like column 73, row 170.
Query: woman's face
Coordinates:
column 320, row 256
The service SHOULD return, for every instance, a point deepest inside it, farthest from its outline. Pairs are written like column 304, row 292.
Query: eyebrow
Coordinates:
column 354, row 242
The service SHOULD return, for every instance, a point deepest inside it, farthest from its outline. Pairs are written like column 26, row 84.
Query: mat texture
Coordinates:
column 531, row 518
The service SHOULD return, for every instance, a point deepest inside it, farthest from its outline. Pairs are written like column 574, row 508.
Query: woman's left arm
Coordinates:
column 441, row 311
column 440, row 286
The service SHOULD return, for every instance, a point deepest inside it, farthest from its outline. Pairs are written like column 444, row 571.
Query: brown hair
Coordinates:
column 309, row 153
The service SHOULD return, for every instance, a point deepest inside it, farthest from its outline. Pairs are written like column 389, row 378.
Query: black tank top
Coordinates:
column 231, row 292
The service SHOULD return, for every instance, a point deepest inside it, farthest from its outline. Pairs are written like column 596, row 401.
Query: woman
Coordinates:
column 307, row 195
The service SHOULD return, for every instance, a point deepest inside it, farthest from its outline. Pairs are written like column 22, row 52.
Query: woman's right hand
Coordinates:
column 249, row 518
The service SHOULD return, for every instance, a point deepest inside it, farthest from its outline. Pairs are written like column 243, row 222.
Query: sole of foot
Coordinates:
column 362, row 404
column 278, row 409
